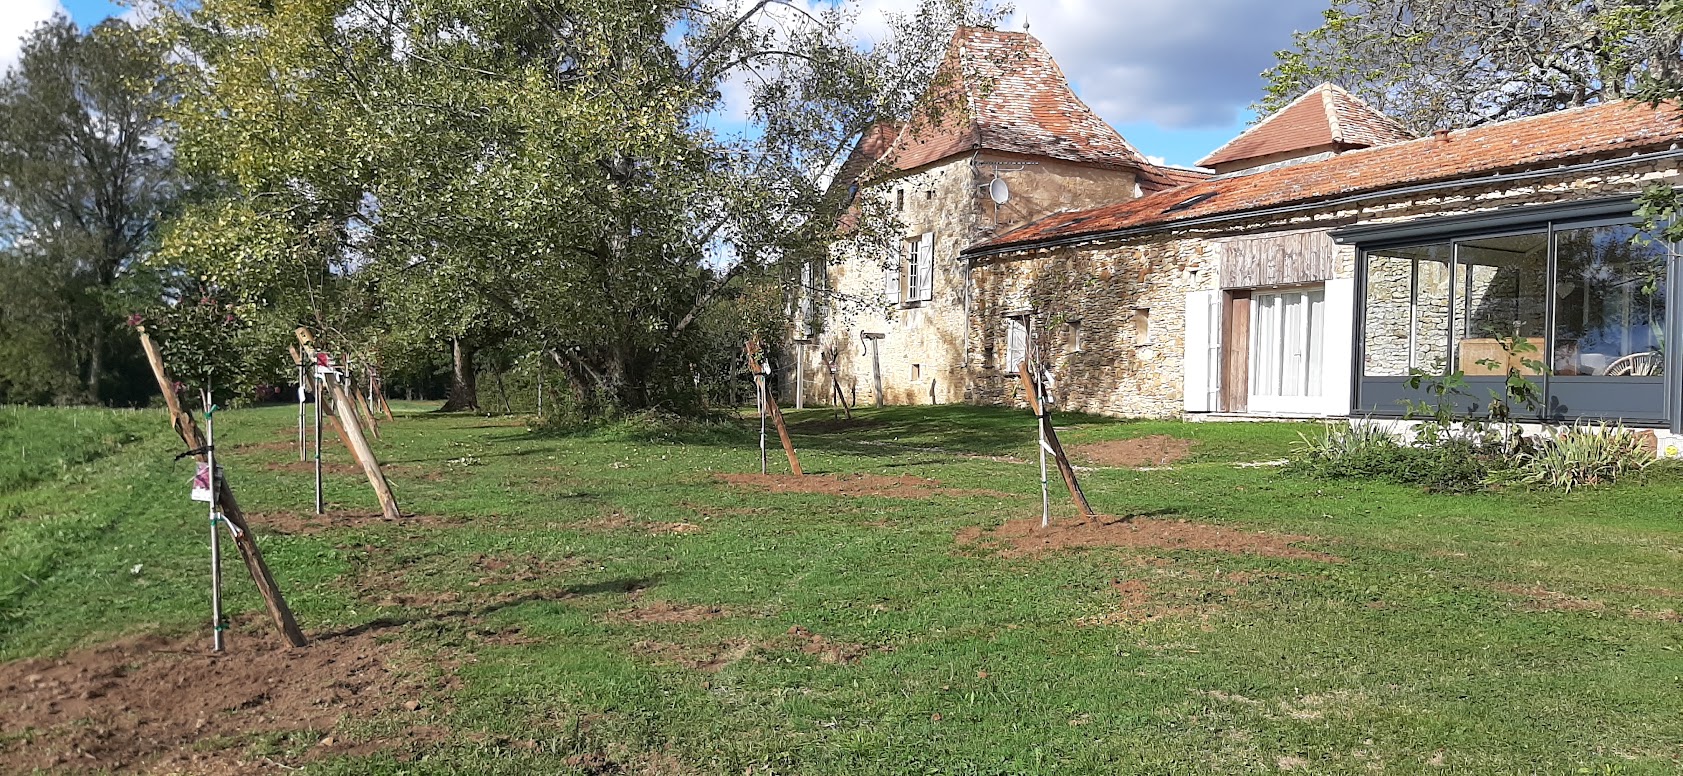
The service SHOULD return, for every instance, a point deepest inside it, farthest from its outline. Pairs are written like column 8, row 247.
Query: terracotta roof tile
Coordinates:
column 1008, row 94
column 1159, row 177
column 1325, row 116
column 1554, row 138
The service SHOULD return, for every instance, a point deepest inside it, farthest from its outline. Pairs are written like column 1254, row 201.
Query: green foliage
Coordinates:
column 1435, row 64
column 1584, row 454
column 545, row 177
column 85, row 174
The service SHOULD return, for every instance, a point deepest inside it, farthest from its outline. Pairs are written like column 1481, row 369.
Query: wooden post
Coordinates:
column 764, row 372
column 380, row 392
column 876, row 366
column 359, row 405
column 246, row 541
column 343, row 408
column 800, row 374
column 832, row 364
column 1032, row 386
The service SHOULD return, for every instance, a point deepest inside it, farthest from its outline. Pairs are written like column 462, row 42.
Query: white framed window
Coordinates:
column 919, row 272
column 1016, row 342
column 1287, row 348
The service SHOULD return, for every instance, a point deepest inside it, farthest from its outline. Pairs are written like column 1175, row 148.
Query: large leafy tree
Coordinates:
column 84, row 178
column 1456, row 63
column 548, row 172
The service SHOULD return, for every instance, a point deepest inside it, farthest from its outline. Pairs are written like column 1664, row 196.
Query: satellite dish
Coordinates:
column 998, row 191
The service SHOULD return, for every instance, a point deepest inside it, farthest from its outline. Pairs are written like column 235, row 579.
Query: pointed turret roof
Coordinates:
column 1327, row 118
column 1002, row 91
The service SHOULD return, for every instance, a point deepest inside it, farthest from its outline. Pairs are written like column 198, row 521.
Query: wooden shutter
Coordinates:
column 1201, row 350
column 1338, row 342
column 1016, row 343
column 891, row 280
column 926, row 266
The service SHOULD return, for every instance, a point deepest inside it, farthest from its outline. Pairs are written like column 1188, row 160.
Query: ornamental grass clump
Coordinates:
column 1581, row 455
column 1446, row 464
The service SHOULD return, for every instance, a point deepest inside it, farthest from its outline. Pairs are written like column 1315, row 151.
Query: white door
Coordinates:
column 1287, row 348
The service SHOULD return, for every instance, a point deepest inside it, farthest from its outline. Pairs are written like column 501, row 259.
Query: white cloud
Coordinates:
column 17, row 18
column 1174, row 63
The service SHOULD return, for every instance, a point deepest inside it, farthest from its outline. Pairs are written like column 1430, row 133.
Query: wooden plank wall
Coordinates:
column 1277, row 260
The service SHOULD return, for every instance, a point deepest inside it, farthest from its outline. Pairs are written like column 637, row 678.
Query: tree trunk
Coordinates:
column 96, row 360
column 464, row 384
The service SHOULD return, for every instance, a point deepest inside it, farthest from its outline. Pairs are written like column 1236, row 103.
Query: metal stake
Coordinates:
column 303, row 451
column 215, row 515
column 319, row 509
column 760, row 399
column 1045, row 493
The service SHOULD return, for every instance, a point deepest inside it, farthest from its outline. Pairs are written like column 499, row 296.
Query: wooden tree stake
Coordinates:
column 1064, row 466
column 246, row 541
column 834, row 368
column 771, row 406
column 352, row 432
column 380, row 392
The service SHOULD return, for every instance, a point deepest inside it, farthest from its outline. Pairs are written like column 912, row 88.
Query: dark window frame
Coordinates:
column 1626, row 400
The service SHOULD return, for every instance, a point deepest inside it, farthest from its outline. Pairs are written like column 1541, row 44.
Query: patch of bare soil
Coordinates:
column 832, row 652
column 166, row 704
column 662, row 612
column 1136, row 604
column 853, row 485
column 1157, row 450
column 333, row 519
column 1020, row 538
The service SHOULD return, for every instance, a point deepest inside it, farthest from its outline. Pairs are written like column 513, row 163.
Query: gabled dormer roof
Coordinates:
column 1002, row 91
column 1326, row 119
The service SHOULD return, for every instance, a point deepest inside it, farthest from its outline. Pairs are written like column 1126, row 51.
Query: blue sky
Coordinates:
column 1175, row 77
column 90, row 11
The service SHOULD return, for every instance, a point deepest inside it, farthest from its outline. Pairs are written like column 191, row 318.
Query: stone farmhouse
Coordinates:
column 1316, row 261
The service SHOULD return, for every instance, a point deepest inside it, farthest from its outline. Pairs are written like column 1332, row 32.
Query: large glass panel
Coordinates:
column 1610, row 316
column 1501, row 288
column 1286, row 343
column 1407, row 311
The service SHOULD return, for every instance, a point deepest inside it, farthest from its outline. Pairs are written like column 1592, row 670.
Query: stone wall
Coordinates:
column 1101, row 290
column 1101, row 283
column 923, row 347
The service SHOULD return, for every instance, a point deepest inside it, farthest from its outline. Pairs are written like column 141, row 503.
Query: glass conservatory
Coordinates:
column 1573, row 297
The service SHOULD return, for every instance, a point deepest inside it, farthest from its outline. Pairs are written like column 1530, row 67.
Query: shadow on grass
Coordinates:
column 472, row 612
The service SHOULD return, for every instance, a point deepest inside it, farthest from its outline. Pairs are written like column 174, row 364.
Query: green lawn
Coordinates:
column 1512, row 632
